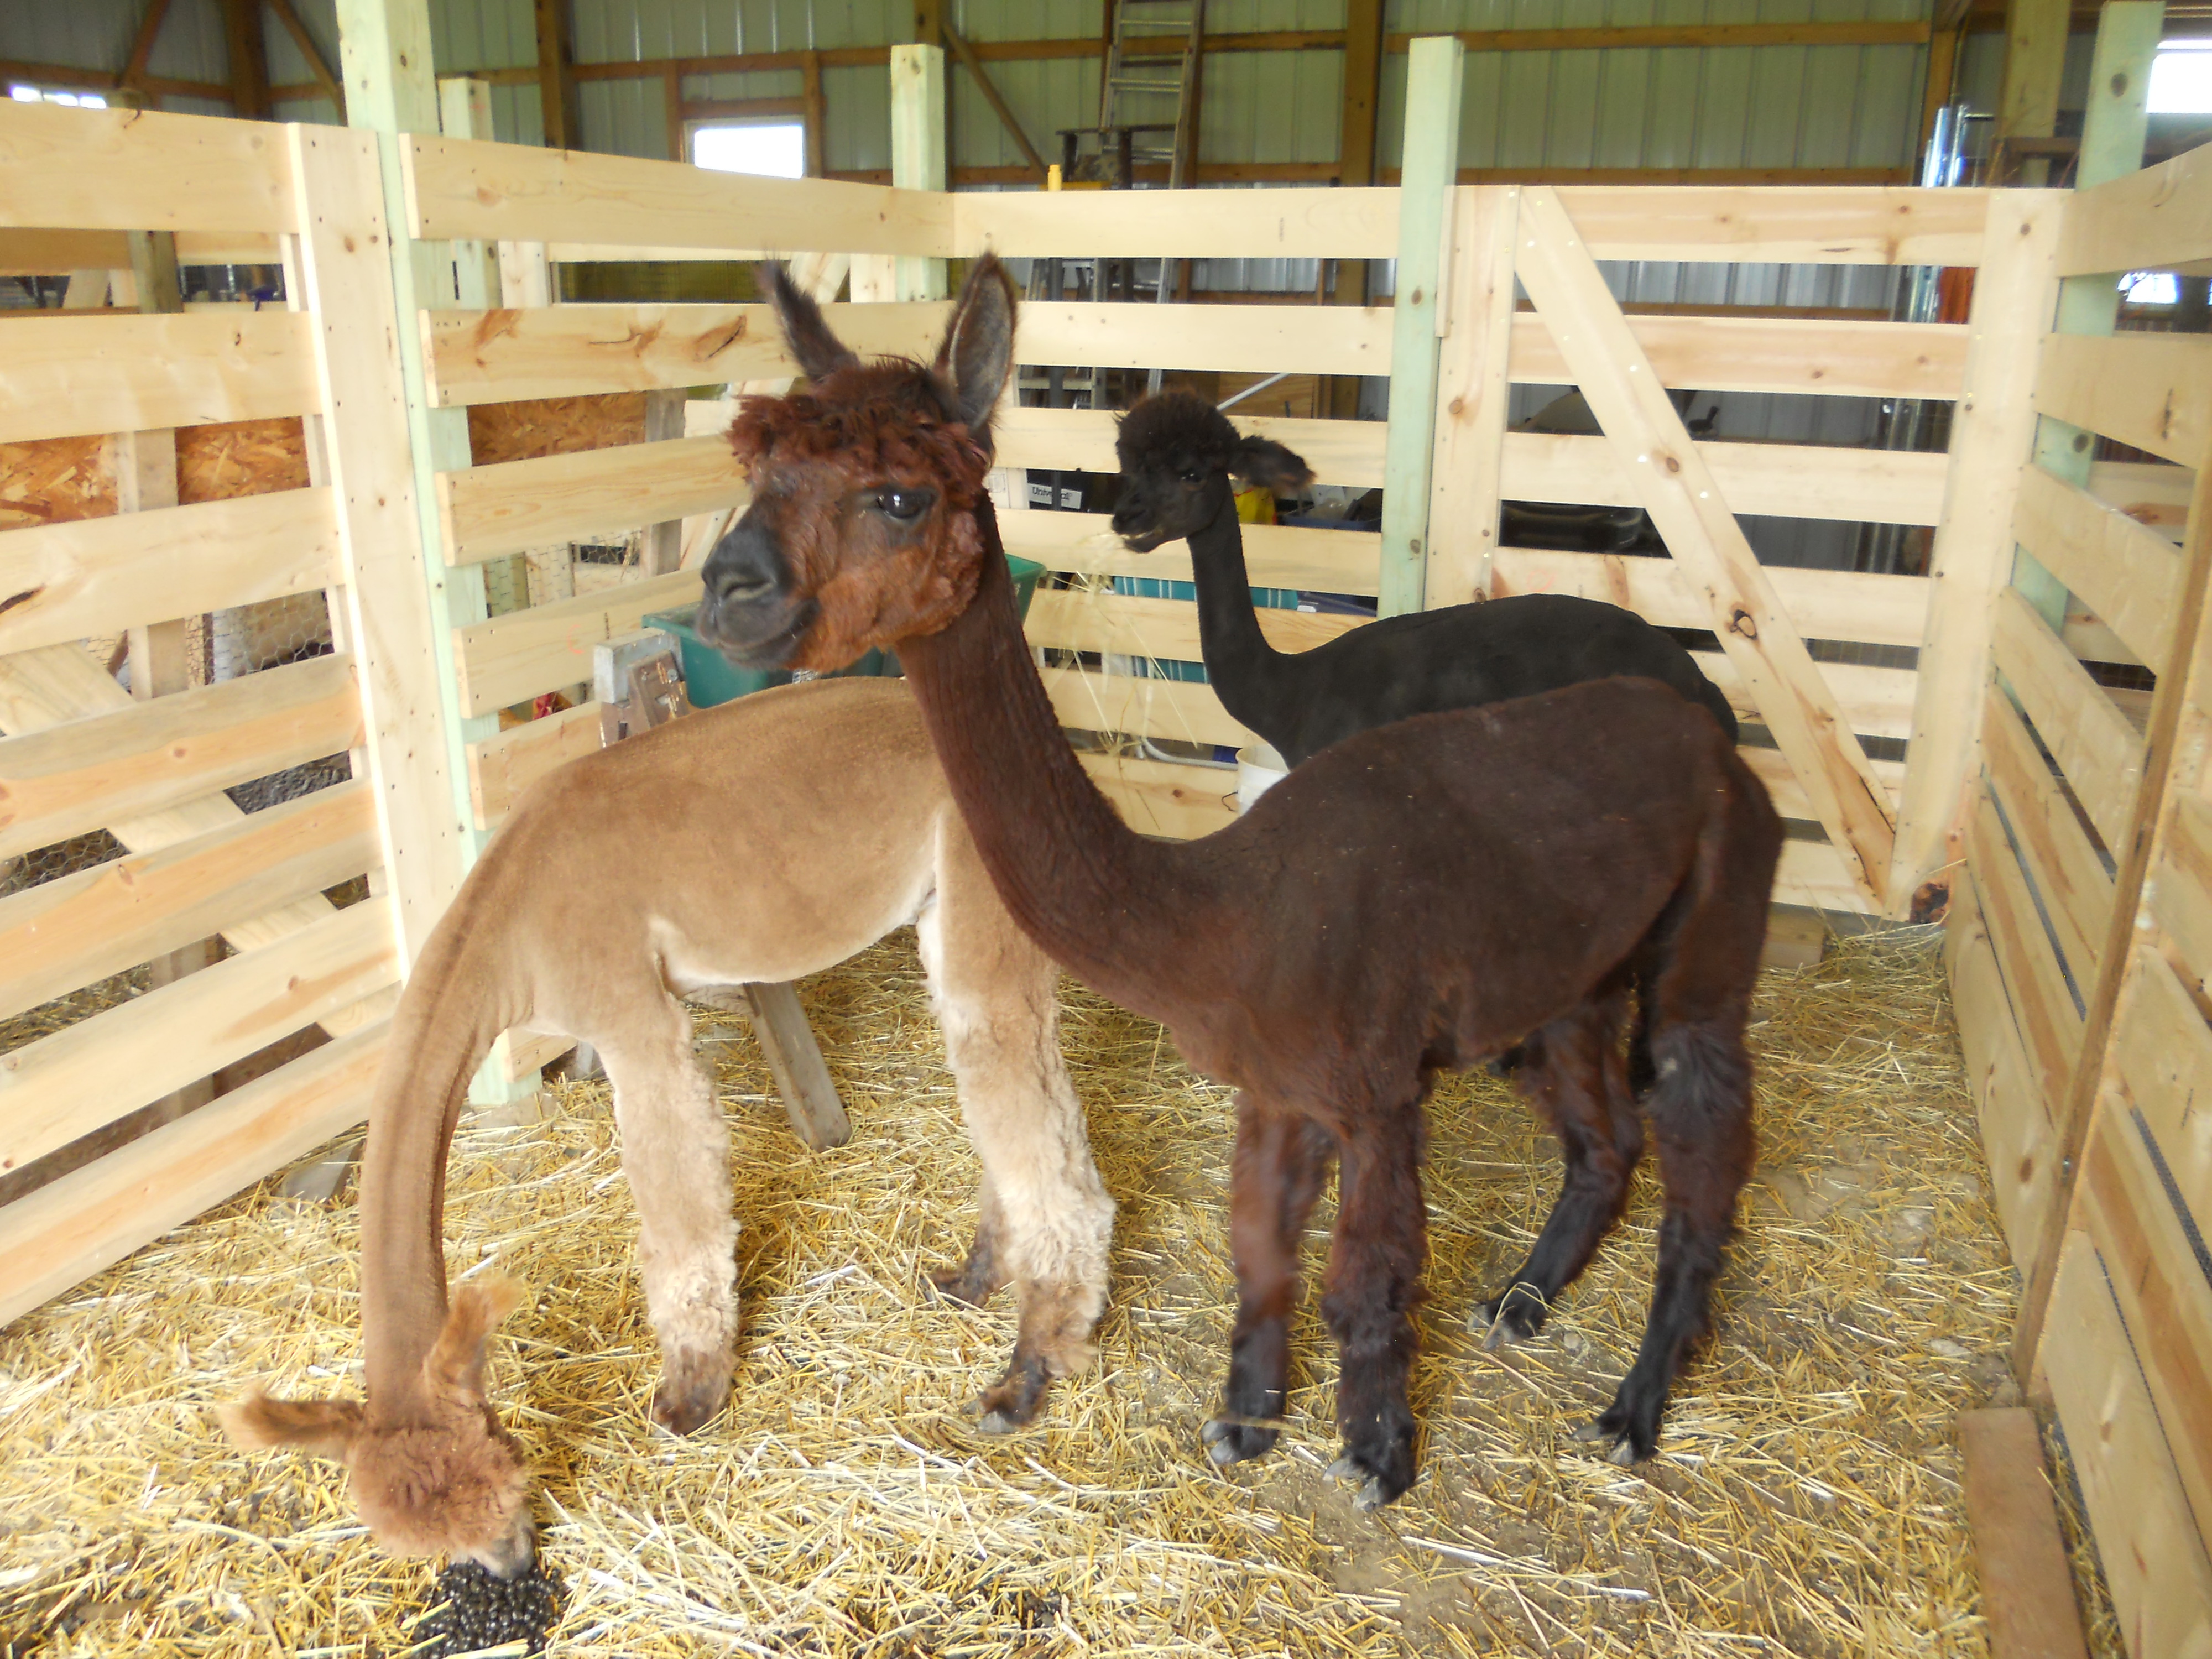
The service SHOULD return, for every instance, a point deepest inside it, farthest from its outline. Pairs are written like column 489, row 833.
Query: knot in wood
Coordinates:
column 1740, row 622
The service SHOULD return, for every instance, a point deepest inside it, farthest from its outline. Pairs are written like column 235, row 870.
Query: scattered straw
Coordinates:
column 1805, row 1500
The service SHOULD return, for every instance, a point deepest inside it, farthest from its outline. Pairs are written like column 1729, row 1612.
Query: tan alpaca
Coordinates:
column 760, row 840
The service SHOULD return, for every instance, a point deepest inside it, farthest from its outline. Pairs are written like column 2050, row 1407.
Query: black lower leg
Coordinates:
column 1380, row 1248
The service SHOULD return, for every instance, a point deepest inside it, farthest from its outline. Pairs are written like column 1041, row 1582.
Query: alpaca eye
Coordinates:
column 905, row 505
column 1190, row 477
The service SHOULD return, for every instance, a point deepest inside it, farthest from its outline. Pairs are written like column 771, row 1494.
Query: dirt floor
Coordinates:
column 1805, row 1500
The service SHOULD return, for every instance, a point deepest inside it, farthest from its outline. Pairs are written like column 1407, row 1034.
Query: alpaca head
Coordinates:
column 861, row 531
column 1178, row 453
column 433, row 1474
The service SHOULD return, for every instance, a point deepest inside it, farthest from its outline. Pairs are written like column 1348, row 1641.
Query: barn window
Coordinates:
column 23, row 94
column 2181, row 78
column 777, row 149
column 2151, row 287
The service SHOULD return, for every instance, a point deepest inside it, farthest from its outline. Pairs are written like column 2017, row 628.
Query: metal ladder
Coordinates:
column 1131, row 91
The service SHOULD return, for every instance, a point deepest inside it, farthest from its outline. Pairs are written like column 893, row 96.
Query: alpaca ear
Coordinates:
column 819, row 353
column 1263, row 461
column 455, row 1366
column 325, row 1428
column 978, row 353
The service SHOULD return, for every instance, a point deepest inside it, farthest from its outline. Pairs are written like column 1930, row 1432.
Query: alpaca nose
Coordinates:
column 746, row 566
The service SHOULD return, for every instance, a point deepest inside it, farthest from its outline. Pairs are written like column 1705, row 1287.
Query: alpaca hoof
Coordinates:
column 1375, row 1490
column 1622, row 1453
column 1625, row 1439
column 1514, row 1316
column 996, row 1423
column 692, row 1393
column 963, row 1285
column 1229, row 1442
column 1011, row 1402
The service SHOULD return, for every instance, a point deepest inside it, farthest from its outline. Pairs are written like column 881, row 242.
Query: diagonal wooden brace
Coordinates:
column 1673, row 485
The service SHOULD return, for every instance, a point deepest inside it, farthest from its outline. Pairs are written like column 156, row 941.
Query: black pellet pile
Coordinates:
column 483, row 1610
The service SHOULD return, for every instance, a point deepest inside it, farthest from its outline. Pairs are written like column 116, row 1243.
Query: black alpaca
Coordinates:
column 1178, row 453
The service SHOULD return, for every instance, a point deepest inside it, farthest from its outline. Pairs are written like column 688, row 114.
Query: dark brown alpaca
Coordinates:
column 1416, row 898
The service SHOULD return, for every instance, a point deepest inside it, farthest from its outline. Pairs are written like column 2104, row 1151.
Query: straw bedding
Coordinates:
column 1805, row 1500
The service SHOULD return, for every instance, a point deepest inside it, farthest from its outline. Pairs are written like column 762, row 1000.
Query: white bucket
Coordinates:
column 1259, row 769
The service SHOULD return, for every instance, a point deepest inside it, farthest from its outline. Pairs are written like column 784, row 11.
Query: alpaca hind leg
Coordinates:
column 1701, row 1116
column 1582, row 1089
column 1044, row 1222
column 1376, row 1261
column 1280, row 1164
column 675, row 1151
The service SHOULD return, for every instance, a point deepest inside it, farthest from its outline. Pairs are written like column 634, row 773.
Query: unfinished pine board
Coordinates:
column 2049, row 1020
column 575, row 350
column 68, row 1230
column 1677, row 488
column 1788, row 795
column 1082, row 440
column 525, row 1053
column 460, row 187
column 1304, row 340
column 2179, row 890
column 1166, row 628
column 1277, row 556
column 91, row 577
column 2146, row 1538
column 2027, row 1583
column 524, row 652
column 81, row 927
column 2075, row 887
column 795, row 1060
column 516, row 506
column 2094, row 743
column 2128, row 573
column 2151, row 391
column 2012, row 1100
column 501, row 768
column 139, row 170
column 1836, row 605
column 2153, row 220
column 70, row 780
column 1467, row 468
column 2145, row 1242
column 1847, row 225
column 2163, row 1053
column 1299, row 223
column 2153, row 493
column 346, row 280
column 1155, row 797
column 1992, row 433
column 134, row 374
column 1875, row 702
column 87, row 1075
column 1803, row 355
column 59, row 253
column 1791, row 481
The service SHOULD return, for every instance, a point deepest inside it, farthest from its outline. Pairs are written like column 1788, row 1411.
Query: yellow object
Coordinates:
column 1255, row 506
column 1052, row 177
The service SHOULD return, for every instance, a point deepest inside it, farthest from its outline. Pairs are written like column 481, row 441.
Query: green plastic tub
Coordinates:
column 710, row 677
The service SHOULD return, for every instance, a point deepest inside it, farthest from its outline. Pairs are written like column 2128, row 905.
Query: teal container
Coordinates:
column 710, row 677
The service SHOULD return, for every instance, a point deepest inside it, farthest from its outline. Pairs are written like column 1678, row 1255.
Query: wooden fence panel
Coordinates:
column 65, row 376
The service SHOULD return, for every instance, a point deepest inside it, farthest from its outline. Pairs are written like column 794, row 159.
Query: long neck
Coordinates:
column 1100, row 900
column 1242, row 666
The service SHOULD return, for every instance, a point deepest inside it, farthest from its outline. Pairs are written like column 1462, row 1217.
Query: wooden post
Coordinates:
column 664, row 543
column 249, row 58
column 2035, row 58
column 671, row 107
column 1472, row 392
column 795, row 1060
column 1993, row 424
column 390, row 90
column 1426, row 193
column 1356, row 145
column 556, row 85
column 1942, row 66
column 2112, row 129
column 817, row 114
column 918, row 149
column 141, row 45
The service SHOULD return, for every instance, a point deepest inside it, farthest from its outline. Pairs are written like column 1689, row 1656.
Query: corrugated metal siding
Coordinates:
column 1686, row 106
column 467, row 35
column 96, row 35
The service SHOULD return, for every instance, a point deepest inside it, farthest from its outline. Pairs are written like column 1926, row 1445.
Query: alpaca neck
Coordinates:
column 1244, row 668
column 1100, row 900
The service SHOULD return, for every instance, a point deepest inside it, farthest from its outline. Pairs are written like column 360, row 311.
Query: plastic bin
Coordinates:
column 710, row 677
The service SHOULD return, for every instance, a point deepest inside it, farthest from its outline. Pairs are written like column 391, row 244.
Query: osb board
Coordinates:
column 240, row 458
column 1805, row 1500
column 554, row 426
column 53, row 481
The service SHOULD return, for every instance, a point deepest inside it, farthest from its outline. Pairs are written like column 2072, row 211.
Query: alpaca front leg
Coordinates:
column 1375, row 1260
column 675, row 1151
column 1280, row 1166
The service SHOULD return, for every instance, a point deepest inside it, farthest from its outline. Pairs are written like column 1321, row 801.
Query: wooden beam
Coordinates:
column 504, row 659
column 141, row 43
column 1433, row 81
column 1992, row 429
column 917, row 148
column 673, row 114
column 817, row 115
column 983, row 84
column 2153, row 391
column 317, row 66
column 1648, row 37
column 1356, row 153
column 120, row 169
column 70, row 376
column 69, row 75
column 2027, row 1583
column 795, row 1060
column 249, row 58
column 514, row 506
column 1466, row 475
column 2154, row 219
column 1678, row 490
column 556, row 83
column 2035, row 58
column 1935, row 88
